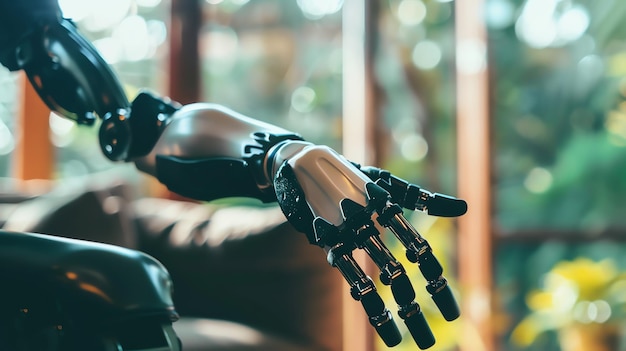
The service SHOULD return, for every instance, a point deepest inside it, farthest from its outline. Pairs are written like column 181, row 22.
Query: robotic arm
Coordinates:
column 206, row 152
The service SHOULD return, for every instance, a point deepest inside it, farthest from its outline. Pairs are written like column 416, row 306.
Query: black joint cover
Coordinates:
column 411, row 197
column 354, row 292
column 375, row 173
column 358, row 220
column 385, row 215
column 326, row 234
column 388, row 331
column 383, row 184
column 420, row 330
column 372, row 303
column 398, row 190
column 292, row 201
column 339, row 250
column 429, row 265
column 402, row 290
column 381, row 319
column 148, row 116
column 209, row 179
column 445, row 301
column 411, row 256
column 446, row 206
column 354, row 214
column 377, row 196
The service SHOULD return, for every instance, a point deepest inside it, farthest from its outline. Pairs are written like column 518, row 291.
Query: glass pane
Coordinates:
column 559, row 113
column 276, row 61
column 415, row 71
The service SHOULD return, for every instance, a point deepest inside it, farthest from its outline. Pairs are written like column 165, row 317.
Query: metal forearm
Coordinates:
column 207, row 152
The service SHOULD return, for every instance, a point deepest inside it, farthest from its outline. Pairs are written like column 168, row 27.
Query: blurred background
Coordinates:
column 518, row 106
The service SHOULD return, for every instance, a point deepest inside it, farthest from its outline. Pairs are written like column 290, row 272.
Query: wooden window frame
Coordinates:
column 33, row 157
column 475, row 237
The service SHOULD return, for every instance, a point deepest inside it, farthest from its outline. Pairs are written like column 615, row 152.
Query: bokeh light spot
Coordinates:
column 316, row 9
column 538, row 180
column 303, row 99
column 411, row 12
column 426, row 55
column 414, row 147
column 471, row 56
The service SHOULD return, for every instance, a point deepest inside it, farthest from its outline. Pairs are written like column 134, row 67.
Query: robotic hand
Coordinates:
column 206, row 152
column 342, row 206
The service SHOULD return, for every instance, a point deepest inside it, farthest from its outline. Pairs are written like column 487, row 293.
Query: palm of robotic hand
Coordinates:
column 342, row 206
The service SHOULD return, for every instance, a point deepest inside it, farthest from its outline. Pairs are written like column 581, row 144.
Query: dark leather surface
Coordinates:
column 243, row 266
column 100, row 279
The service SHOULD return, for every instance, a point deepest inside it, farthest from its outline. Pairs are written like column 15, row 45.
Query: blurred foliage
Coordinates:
column 559, row 150
column 414, row 63
column 523, row 289
column 523, row 275
column 558, row 113
column 580, row 293
column 276, row 62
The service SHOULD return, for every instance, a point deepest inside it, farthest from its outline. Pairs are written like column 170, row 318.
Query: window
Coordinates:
column 558, row 167
column 276, row 61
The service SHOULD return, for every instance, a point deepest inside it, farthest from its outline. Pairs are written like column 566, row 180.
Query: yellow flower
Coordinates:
column 592, row 279
column 540, row 300
column 568, row 291
column 526, row 332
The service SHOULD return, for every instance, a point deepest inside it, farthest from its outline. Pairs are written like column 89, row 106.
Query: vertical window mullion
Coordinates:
column 360, row 114
column 474, row 167
column 184, row 61
column 34, row 153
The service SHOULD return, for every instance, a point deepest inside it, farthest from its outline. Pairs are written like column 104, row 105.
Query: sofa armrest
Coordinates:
column 244, row 264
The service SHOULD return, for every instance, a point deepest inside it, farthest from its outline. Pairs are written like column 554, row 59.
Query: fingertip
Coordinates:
column 446, row 206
